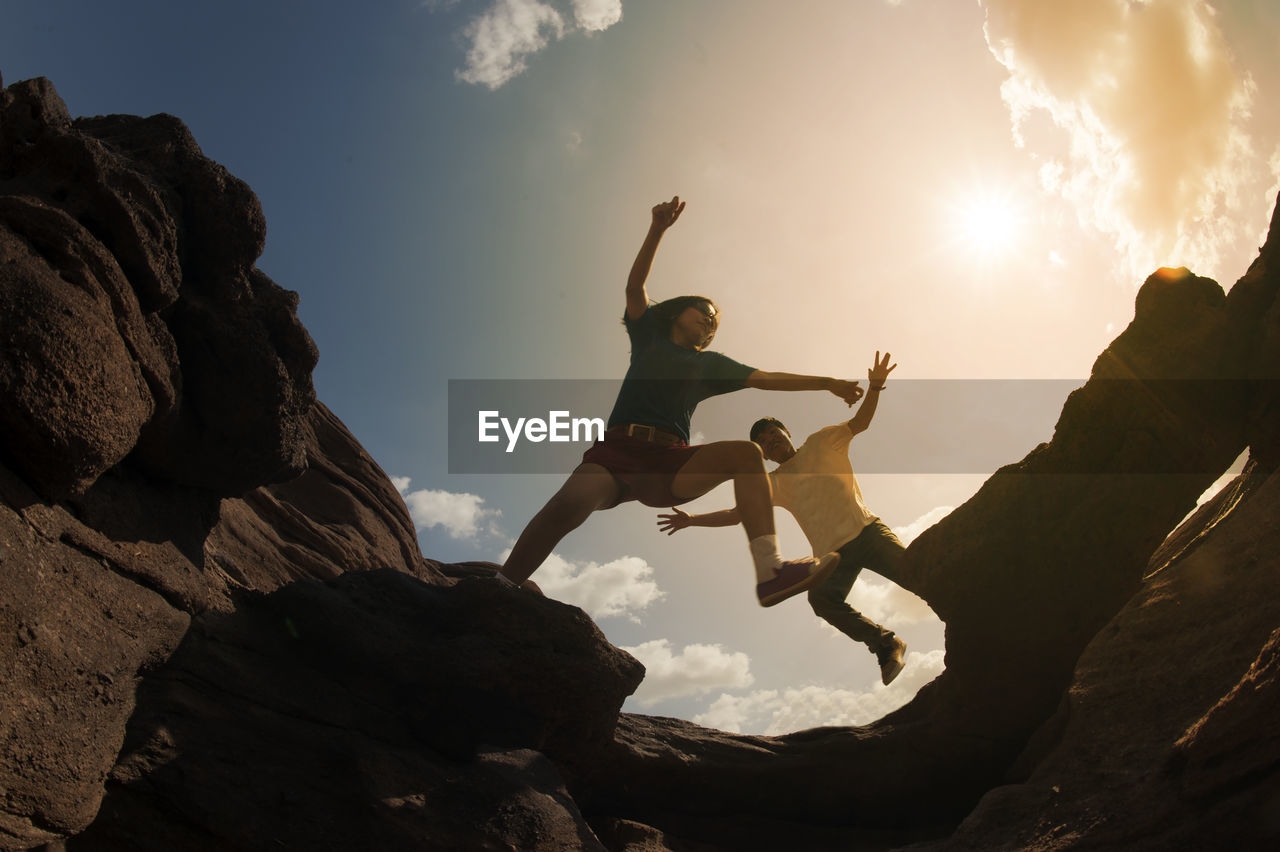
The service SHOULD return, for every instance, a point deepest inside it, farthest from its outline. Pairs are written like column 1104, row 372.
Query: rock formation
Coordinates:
column 218, row 631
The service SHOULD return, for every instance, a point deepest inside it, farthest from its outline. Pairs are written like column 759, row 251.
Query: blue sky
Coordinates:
column 457, row 189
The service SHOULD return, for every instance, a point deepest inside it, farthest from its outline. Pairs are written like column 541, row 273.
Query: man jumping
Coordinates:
column 816, row 484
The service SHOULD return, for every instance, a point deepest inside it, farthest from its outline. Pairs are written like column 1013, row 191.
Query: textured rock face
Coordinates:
column 217, row 630
column 134, row 322
column 381, row 712
column 75, row 632
column 107, row 263
column 1180, row 750
column 203, row 571
column 342, row 514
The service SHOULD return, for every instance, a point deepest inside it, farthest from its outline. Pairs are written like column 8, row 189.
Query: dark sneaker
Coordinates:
column 890, row 659
column 794, row 577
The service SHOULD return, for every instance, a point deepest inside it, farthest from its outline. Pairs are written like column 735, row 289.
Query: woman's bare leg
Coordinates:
column 588, row 488
column 740, row 461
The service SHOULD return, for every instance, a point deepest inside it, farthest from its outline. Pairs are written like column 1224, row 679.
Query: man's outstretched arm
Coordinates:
column 664, row 216
column 877, row 375
column 678, row 520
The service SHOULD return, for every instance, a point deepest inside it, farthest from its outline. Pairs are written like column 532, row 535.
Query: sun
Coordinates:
column 987, row 225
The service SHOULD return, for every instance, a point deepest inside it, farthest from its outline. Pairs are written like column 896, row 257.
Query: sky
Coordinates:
column 457, row 188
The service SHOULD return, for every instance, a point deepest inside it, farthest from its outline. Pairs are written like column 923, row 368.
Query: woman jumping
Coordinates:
column 646, row 455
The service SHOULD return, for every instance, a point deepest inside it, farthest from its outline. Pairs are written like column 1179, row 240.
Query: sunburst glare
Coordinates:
column 987, row 225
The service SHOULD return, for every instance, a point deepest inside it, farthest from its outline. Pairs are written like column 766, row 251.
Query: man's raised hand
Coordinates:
column 666, row 213
column 879, row 373
column 672, row 523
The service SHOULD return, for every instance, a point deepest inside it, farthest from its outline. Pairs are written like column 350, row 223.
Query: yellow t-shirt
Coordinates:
column 817, row 485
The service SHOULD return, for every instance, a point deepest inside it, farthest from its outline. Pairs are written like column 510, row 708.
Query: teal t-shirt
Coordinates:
column 665, row 382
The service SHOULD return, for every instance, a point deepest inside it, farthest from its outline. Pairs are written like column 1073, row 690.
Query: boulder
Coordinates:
column 369, row 711
column 1166, row 737
column 137, row 324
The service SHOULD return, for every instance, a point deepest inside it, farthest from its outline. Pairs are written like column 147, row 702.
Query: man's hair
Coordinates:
column 764, row 423
column 665, row 313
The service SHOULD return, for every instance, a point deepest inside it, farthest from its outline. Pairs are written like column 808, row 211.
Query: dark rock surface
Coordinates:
column 218, row 631
column 368, row 707
column 341, row 514
column 1172, row 749
column 134, row 322
column 190, row 546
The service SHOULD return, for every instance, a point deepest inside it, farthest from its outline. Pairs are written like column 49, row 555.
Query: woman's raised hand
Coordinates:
column 666, row 213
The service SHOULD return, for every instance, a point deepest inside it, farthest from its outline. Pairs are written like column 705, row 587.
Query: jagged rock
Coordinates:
column 148, row 370
column 1234, row 746
column 370, row 706
column 75, row 399
column 342, row 514
column 1166, row 738
column 407, row 799
column 77, row 629
column 136, row 323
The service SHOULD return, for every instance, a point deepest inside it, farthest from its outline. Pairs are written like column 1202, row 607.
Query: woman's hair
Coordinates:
column 665, row 313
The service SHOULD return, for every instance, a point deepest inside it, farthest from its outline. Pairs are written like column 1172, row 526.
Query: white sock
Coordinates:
column 764, row 550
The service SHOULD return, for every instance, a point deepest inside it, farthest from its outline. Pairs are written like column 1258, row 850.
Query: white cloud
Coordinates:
column 502, row 37
column 1153, row 107
column 774, row 711
column 888, row 604
column 624, row 586
column 741, row 714
column 695, row 670
column 621, row 587
column 462, row 515
column 500, row 40
column 908, row 532
column 594, row 15
column 1269, row 197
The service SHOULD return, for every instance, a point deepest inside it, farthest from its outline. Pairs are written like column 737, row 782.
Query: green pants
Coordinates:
column 877, row 549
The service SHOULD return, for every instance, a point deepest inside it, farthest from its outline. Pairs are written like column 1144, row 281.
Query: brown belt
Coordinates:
column 644, row 433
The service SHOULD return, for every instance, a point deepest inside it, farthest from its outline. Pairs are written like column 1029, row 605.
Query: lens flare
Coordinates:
column 988, row 225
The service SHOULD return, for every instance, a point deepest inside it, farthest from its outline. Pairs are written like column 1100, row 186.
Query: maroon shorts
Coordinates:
column 645, row 469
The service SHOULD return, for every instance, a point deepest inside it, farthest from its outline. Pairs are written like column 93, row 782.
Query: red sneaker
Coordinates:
column 794, row 577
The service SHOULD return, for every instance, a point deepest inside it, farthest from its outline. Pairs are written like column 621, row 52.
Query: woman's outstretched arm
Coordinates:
column 765, row 380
